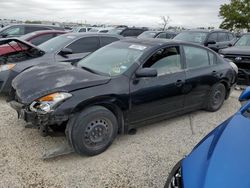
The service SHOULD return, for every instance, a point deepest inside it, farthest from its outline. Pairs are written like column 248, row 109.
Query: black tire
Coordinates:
column 173, row 172
column 216, row 97
column 92, row 131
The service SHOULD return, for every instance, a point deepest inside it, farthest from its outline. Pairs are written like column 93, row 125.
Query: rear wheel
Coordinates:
column 92, row 131
column 216, row 98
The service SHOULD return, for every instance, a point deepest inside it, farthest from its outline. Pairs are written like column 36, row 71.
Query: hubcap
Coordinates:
column 97, row 132
column 217, row 97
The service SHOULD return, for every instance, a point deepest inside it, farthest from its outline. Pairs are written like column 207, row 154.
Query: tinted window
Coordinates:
column 196, row 57
column 107, row 40
column 212, row 37
column 29, row 29
column 41, row 39
column 222, row 37
column 83, row 45
column 165, row 61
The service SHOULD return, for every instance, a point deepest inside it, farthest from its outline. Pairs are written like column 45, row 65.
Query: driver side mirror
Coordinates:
column 66, row 51
column 146, row 73
column 245, row 96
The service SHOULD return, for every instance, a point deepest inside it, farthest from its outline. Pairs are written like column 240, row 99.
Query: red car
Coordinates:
column 36, row 38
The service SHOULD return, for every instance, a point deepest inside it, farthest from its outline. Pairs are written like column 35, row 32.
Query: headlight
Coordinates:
column 6, row 67
column 234, row 66
column 49, row 102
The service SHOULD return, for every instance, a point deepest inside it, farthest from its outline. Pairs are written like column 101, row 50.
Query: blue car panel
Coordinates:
column 222, row 158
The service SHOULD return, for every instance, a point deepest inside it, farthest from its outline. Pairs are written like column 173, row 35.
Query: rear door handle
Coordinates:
column 179, row 83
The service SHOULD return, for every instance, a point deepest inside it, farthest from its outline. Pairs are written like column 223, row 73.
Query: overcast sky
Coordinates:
column 188, row 13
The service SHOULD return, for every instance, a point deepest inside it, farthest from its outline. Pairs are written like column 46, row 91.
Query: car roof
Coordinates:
column 158, row 42
column 47, row 31
column 89, row 34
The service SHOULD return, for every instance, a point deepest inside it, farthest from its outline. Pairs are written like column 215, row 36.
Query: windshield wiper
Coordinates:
column 94, row 71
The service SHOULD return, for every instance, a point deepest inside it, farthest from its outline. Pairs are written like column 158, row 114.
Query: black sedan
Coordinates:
column 121, row 86
column 16, row 55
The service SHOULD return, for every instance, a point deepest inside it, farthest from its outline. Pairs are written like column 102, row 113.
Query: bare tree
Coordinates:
column 165, row 21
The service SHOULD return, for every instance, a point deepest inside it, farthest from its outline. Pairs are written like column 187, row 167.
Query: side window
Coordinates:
column 196, row 57
column 83, row 45
column 212, row 37
column 165, row 61
column 161, row 35
column 29, row 29
column 15, row 30
column 41, row 39
column 222, row 37
column 107, row 40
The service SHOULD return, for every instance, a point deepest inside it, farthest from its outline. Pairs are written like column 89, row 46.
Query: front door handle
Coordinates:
column 179, row 83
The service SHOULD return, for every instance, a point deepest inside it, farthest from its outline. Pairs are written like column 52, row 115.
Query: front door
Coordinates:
column 153, row 97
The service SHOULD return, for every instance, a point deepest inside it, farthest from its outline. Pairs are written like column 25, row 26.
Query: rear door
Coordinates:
column 161, row 95
column 201, row 75
column 80, row 48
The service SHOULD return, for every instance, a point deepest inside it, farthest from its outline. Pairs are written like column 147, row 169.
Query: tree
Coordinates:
column 235, row 15
column 165, row 21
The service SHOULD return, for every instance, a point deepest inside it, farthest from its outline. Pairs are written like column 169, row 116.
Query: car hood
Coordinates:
column 41, row 80
column 221, row 159
column 244, row 50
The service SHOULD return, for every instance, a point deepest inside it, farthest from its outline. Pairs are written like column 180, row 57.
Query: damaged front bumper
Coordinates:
column 41, row 121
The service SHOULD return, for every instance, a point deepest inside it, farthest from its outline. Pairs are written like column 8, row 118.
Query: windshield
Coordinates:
column 147, row 34
column 56, row 43
column 243, row 41
column 113, row 59
column 196, row 37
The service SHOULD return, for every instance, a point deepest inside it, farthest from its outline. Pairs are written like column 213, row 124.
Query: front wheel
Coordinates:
column 216, row 97
column 92, row 131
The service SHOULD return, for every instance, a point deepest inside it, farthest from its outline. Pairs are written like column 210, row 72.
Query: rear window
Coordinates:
column 196, row 57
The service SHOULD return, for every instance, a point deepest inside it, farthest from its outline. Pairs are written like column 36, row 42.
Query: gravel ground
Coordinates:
column 141, row 160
